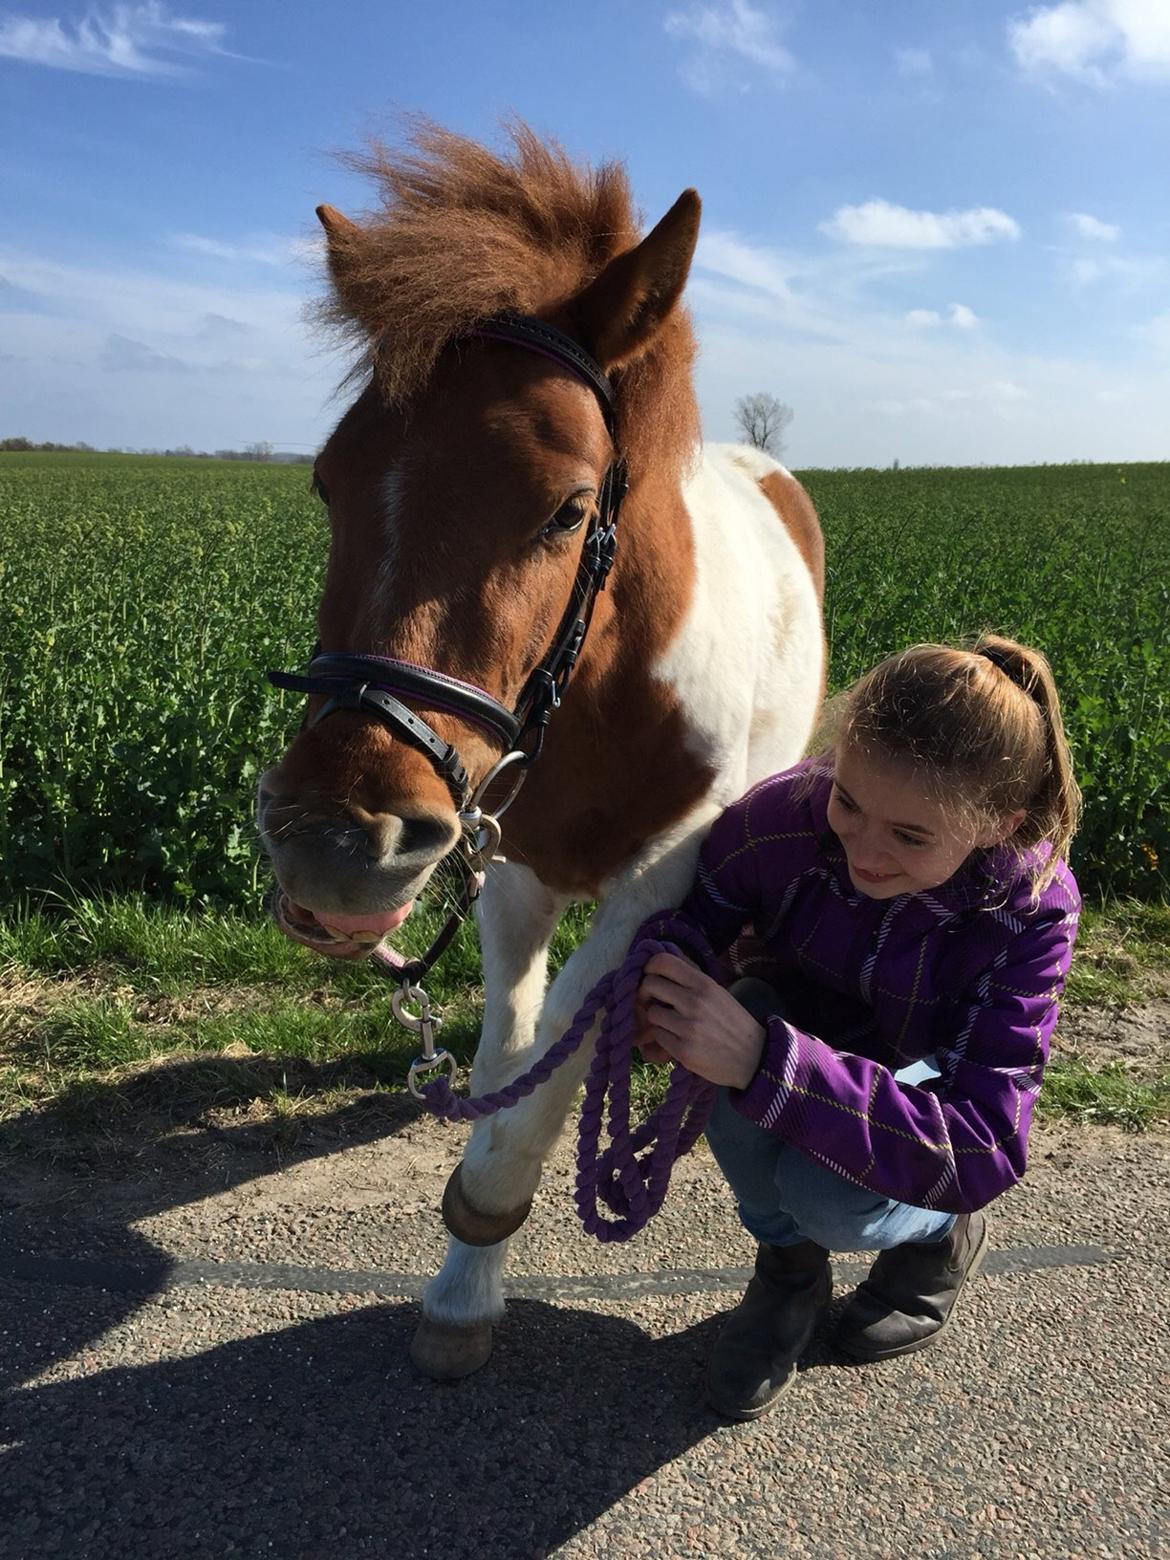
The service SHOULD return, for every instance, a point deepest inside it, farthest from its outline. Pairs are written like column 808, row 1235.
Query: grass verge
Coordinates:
column 1103, row 1096
column 1122, row 954
column 117, row 1007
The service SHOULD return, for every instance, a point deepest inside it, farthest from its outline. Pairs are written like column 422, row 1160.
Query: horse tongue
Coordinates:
column 378, row 921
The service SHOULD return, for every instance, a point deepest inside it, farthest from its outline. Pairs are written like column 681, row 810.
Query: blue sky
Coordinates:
column 939, row 230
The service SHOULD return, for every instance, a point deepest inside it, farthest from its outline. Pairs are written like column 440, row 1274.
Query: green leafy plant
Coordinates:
column 144, row 598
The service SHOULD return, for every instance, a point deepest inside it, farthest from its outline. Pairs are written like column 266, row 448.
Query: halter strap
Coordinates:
column 370, row 683
column 436, row 690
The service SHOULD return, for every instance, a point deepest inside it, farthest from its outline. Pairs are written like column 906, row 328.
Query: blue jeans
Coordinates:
column 785, row 1197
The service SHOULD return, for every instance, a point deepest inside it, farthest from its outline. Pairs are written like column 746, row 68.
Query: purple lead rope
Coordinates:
column 633, row 1188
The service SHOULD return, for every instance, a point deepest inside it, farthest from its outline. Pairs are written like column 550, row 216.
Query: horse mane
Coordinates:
column 462, row 234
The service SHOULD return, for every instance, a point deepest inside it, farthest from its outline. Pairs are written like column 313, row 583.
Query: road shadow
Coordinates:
column 72, row 1190
column 306, row 1441
column 320, row 1440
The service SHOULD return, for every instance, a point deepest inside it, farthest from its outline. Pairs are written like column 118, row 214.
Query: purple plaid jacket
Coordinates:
column 969, row 973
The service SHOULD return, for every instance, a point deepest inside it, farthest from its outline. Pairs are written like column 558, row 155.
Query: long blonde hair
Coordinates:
column 983, row 725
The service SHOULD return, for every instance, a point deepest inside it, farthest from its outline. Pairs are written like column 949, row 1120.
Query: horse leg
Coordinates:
column 517, row 916
column 502, row 1162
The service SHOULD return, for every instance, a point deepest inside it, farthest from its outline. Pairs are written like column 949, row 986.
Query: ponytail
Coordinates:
column 1053, row 810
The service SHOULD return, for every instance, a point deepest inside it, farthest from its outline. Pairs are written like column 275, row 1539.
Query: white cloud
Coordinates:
column 1128, row 276
column 747, row 264
column 931, row 398
column 914, row 62
column 879, row 222
column 1006, row 390
column 867, row 388
column 131, row 40
column 995, row 392
column 167, row 303
column 1091, row 227
column 1156, row 333
column 121, row 355
column 190, row 351
column 959, row 316
column 814, row 297
column 1095, row 41
column 724, row 38
column 261, row 249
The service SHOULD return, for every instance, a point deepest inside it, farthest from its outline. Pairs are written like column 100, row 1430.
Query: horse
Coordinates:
column 459, row 483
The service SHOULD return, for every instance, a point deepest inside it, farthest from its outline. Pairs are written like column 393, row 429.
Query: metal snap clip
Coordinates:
column 425, row 1064
column 426, row 1025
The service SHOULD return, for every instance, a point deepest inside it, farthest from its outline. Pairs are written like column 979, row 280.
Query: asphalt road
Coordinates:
column 205, row 1352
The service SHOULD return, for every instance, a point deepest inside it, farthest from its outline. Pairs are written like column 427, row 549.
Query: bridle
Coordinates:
column 385, row 688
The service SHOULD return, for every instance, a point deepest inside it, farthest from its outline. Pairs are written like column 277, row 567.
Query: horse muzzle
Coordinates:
column 345, row 883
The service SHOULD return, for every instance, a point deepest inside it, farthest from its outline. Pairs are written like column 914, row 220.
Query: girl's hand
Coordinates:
column 650, row 1048
column 690, row 1018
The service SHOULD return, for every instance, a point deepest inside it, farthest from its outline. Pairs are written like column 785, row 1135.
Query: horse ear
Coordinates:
column 621, row 310
column 335, row 224
column 341, row 236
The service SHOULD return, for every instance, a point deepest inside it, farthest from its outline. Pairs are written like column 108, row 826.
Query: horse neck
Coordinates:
column 652, row 580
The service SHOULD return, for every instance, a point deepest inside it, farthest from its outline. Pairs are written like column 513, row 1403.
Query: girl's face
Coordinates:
column 898, row 838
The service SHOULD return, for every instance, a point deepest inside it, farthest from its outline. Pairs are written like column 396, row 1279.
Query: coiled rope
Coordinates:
column 631, row 1174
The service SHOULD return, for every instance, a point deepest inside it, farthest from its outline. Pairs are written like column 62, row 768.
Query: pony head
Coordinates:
column 462, row 479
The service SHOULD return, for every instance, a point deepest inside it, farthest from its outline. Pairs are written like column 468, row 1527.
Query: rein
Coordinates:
column 633, row 1188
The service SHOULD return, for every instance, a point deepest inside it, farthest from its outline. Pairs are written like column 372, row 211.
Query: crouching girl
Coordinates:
column 900, row 920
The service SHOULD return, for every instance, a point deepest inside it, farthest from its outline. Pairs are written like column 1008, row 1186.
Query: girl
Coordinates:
column 904, row 917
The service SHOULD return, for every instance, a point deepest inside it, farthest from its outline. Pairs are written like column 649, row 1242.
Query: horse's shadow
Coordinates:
column 49, row 1210
column 319, row 1440
column 316, row 1439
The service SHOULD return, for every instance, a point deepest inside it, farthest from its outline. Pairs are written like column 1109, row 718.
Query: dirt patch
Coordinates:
column 22, row 998
column 23, row 1001
column 1138, row 1035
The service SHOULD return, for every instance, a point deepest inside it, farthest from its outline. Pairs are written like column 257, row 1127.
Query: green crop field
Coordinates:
column 143, row 598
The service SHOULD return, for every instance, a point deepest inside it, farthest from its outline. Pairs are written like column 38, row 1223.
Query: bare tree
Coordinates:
column 763, row 421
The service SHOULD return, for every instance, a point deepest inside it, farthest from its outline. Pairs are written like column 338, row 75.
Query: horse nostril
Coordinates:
column 427, row 836
column 430, row 834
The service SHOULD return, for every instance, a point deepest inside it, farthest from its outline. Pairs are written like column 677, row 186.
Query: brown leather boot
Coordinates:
column 907, row 1300
column 754, row 1358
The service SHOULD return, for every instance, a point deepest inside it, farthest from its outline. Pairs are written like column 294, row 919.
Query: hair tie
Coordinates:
column 1000, row 658
column 997, row 658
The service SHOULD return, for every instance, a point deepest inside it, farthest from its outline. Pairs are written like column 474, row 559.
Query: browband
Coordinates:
column 559, row 348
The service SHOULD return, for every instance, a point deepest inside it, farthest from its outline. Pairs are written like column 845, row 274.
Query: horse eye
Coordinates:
column 571, row 516
column 318, row 487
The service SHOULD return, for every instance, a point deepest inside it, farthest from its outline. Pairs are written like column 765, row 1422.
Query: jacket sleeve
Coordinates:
column 957, row 1142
